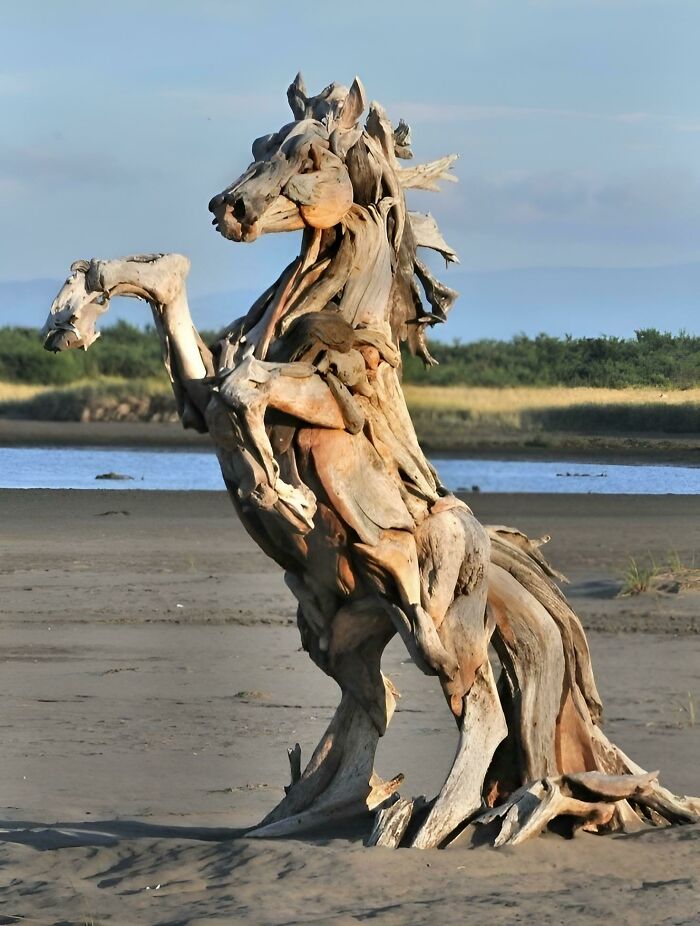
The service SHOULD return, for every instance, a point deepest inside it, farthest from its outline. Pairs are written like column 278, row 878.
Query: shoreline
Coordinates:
column 630, row 449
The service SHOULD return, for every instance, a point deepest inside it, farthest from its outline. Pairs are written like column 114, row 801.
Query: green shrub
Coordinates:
column 123, row 350
column 651, row 358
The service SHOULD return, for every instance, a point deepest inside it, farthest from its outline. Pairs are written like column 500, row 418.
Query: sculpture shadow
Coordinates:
column 66, row 835
column 62, row 835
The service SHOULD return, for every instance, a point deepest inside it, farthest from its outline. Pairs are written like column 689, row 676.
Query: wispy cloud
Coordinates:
column 440, row 112
column 574, row 202
column 12, row 85
column 222, row 103
column 37, row 166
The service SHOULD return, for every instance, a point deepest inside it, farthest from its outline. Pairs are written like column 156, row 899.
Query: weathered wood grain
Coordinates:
column 301, row 397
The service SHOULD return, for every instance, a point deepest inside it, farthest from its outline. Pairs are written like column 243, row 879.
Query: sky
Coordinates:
column 576, row 122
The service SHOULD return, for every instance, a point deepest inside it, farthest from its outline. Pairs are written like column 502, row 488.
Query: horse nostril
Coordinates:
column 239, row 208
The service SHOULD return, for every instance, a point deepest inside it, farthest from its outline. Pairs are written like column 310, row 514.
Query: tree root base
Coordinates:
column 592, row 801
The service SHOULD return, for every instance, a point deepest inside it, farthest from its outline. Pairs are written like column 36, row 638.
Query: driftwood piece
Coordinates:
column 294, row 756
column 529, row 646
column 427, row 235
column 390, row 824
column 590, row 798
column 339, row 780
column 301, row 397
column 483, row 728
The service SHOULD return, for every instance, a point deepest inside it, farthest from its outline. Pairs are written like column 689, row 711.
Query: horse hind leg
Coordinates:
column 453, row 553
column 339, row 781
column 465, row 631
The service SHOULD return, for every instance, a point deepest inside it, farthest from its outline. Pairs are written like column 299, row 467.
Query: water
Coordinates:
column 76, row 468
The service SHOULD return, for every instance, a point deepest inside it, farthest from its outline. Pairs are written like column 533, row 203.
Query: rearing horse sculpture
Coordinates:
column 302, row 399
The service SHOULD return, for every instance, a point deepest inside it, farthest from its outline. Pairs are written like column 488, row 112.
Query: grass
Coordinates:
column 563, row 408
column 456, row 417
column 14, row 392
column 637, row 577
column 446, row 417
column 93, row 398
column 20, row 392
column 672, row 576
column 489, row 401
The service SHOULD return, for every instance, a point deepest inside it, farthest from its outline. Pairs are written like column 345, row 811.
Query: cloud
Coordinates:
column 440, row 113
column 15, row 85
column 573, row 203
column 39, row 166
column 221, row 103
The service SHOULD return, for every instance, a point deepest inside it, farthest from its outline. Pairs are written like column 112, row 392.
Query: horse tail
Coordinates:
column 550, row 696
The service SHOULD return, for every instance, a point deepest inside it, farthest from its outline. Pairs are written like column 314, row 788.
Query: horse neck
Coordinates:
column 365, row 299
column 161, row 282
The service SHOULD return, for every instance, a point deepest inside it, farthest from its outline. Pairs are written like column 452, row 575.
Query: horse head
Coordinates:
column 341, row 182
column 74, row 311
column 85, row 295
column 298, row 178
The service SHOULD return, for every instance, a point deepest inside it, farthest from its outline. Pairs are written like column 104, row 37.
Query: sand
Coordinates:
column 152, row 681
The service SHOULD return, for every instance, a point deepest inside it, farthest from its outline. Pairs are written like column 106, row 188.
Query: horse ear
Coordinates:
column 296, row 94
column 82, row 265
column 354, row 105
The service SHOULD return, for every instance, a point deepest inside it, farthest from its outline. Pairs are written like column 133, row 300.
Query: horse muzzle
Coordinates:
column 58, row 339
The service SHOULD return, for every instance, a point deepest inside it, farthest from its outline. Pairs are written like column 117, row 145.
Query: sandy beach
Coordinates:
column 153, row 679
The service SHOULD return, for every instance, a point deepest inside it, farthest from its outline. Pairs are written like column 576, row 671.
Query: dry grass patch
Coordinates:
column 105, row 398
column 554, row 409
column 672, row 576
column 19, row 392
column 482, row 400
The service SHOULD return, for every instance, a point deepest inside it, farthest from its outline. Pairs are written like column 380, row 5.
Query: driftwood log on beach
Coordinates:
column 302, row 399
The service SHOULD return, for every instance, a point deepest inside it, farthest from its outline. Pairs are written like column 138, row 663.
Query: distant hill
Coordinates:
column 584, row 302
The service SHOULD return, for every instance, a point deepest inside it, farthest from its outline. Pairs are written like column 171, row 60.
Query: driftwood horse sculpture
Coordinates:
column 302, row 399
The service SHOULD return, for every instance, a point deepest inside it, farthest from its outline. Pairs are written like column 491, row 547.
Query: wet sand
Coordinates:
column 152, row 681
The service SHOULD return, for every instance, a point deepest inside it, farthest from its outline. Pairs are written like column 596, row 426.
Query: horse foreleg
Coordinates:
column 248, row 391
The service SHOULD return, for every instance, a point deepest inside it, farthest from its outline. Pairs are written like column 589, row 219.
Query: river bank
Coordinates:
column 649, row 448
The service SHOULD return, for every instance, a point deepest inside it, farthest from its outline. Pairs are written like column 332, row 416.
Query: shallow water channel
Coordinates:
column 78, row 468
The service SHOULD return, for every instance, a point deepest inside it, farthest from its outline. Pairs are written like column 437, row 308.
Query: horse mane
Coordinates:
column 380, row 235
column 373, row 164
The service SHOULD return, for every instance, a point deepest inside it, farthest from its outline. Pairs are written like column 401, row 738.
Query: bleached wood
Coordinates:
column 339, row 780
column 529, row 647
column 301, row 397
column 428, row 176
column 483, row 728
column 294, row 756
column 427, row 235
column 390, row 825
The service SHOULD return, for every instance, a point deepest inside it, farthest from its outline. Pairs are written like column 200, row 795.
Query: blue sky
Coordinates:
column 577, row 124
